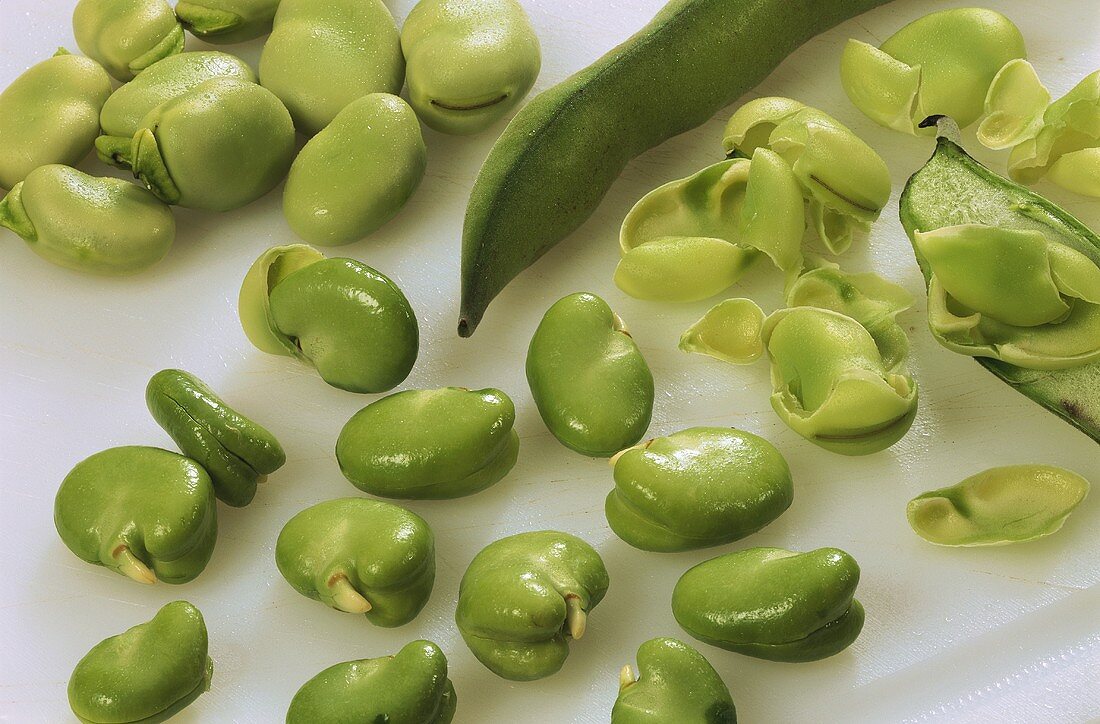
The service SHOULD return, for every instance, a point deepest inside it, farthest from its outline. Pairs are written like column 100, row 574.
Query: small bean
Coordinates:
column 127, row 36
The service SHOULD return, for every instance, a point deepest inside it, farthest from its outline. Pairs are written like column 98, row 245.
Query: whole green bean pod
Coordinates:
column 555, row 161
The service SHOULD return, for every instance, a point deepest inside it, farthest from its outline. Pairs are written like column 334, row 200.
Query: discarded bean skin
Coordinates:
column 1011, row 504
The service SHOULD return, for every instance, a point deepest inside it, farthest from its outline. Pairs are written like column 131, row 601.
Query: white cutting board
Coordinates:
column 969, row 635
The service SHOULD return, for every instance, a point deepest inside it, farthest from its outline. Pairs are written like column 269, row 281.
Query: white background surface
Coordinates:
column 1002, row 634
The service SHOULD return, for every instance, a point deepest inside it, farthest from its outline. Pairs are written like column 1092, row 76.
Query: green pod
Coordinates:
column 443, row 443
column 235, row 451
column 360, row 556
column 557, row 158
column 837, row 357
column 772, row 603
column 50, row 114
column 340, row 316
column 357, row 172
column 221, row 145
column 590, row 382
column 97, row 225
column 942, row 63
column 468, row 64
column 146, row 674
column 227, row 21
column 321, row 56
column 145, row 513
column 162, row 81
column 696, row 488
column 844, row 180
column 126, row 36
column 1011, row 504
column 675, row 683
column 523, row 595
column 410, row 687
column 954, row 190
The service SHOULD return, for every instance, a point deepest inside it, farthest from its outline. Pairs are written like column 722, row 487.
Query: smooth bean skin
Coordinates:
column 227, row 21
column 127, row 36
column 410, row 687
column 322, row 56
column 234, row 450
column 939, row 64
column 468, row 62
column 1014, row 106
column 696, row 488
column 590, row 382
column 145, row 513
column 50, row 115
column 345, row 319
column 162, row 81
column 146, row 674
column 219, row 146
column 360, row 556
column 552, row 165
column 357, row 172
column 522, row 595
column 89, row 224
column 675, row 683
column 772, row 603
column 1011, row 504
column 443, row 443
column 837, row 354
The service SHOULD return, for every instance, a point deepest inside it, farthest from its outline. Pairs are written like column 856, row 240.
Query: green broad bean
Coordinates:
column 692, row 238
column 410, row 687
column 697, row 488
column 360, row 556
column 97, row 225
column 357, row 172
column 590, row 382
column 1011, row 504
column 126, row 36
column 837, row 357
column 845, row 182
column 218, row 146
column 1066, row 146
column 322, row 56
column 145, row 513
column 50, row 114
column 340, row 316
column 675, row 683
column 234, row 450
column 522, row 595
column 772, row 603
column 162, row 81
column 1014, row 106
column 227, row 21
column 940, row 64
column 443, row 443
column 552, row 165
column 952, row 189
column 468, row 64
column 146, row 674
